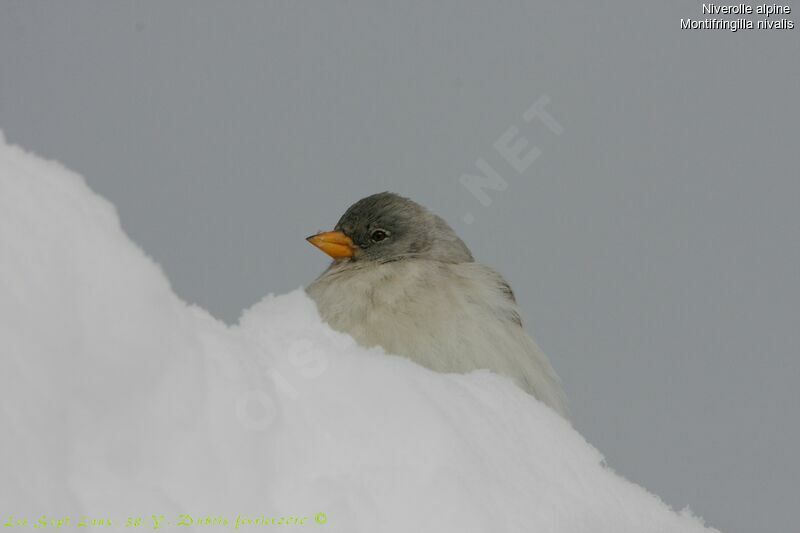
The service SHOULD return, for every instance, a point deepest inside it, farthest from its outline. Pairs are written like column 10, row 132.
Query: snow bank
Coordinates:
column 121, row 401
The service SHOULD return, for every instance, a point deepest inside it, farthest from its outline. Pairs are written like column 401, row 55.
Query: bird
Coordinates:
column 403, row 280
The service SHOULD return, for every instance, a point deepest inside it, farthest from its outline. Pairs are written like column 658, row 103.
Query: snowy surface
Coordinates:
column 119, row 400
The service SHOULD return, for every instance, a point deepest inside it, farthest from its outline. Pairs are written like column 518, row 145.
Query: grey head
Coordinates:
column 387, row 227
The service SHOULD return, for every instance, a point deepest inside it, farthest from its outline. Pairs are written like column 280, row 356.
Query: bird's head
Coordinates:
column 387, row 227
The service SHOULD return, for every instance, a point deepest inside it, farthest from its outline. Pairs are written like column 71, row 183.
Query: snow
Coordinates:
column 120, row 400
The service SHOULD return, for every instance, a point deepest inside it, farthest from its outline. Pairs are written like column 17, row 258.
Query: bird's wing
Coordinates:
column 509, row 339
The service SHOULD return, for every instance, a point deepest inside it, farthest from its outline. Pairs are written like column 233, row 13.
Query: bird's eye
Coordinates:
column 378, row 235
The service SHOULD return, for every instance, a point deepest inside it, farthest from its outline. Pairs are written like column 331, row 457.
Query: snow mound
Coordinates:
column 120, row 401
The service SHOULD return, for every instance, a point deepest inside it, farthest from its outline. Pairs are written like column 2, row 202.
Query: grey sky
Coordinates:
column 652, row 244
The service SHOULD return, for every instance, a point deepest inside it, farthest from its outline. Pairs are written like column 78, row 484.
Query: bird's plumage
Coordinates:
column 423, row 297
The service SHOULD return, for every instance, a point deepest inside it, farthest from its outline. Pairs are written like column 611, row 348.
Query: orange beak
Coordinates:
column 334, row 243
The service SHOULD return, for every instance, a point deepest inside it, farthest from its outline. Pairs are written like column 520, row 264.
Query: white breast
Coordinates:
column 447, row 317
